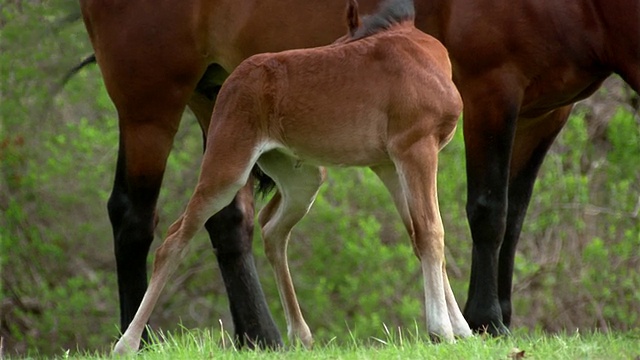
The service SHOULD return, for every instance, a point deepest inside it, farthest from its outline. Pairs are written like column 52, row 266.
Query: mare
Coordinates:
column 381, row 97
column 519, row 67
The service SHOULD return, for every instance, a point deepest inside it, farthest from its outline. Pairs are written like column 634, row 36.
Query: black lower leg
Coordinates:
column 231, row 235
column 133, row 234
column 519, row 195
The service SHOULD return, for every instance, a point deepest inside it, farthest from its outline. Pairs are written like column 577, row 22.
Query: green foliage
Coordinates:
column 52, row 161
column 351, row 258
column 584, row 254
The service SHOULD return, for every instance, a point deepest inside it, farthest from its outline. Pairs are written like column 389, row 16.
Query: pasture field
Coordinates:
column 207, row 344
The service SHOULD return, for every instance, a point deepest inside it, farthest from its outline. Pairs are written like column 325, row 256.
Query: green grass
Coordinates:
column 206, row 344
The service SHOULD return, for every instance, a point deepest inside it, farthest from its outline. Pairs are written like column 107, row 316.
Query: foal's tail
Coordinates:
column 390, row 12
column 265, row 184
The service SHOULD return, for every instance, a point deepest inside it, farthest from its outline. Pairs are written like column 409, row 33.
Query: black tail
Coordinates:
column 91, row 59
column 265, row 184
column 390, row 12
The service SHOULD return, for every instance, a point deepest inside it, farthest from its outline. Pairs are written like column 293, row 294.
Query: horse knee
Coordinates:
column 132, row 227
column 117, row 206
column 487, row 218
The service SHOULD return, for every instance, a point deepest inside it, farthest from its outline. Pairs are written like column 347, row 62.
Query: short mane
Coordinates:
column 390, row 12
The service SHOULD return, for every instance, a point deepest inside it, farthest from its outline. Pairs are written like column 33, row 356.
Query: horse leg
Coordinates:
column 489, row 131
column 144, row 130
column 415, row 195
column 216, row 188
column 389, row 176
column 132, row 213
column 231, row 234
column 298, row 185
column 132, row 203
column 623, row 51
column 532, row 141
column 458, row 322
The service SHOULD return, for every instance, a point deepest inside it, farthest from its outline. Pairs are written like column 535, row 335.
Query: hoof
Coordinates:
column 495, row 330
column 126, row 347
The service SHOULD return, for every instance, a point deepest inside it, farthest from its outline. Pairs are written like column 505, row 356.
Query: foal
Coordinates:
column 382, row 97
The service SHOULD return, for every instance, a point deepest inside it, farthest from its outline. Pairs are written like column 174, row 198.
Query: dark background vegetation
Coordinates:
column 577, row 265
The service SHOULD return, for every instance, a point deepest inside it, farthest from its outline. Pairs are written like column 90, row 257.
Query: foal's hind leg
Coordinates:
column 231, row 234
column 297, row 189
column 216, row 188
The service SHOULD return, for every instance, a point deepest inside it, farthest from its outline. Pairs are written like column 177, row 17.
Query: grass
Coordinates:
column 207, row 344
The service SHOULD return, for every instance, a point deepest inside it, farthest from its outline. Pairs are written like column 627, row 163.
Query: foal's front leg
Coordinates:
column 417, row 172
column 298, row 186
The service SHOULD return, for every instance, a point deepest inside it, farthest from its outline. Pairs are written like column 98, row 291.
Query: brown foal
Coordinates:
column 382, row 97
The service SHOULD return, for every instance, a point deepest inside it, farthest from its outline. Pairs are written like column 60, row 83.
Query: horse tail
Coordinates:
column 390, row 12
column 91, row 59
column 264, row 183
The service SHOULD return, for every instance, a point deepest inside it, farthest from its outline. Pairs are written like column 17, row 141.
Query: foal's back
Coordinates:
column 349, row 97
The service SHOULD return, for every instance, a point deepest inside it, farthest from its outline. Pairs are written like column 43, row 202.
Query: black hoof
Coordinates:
column 491, row 328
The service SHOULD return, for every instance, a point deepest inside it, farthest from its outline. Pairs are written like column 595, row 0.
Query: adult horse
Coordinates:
column 388, row 103
column 519, row 67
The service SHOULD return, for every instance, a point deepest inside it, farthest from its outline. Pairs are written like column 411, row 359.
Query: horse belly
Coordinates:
column 342, row 141
column 560, row 88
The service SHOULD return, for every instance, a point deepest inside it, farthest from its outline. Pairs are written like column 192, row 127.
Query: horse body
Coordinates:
column 295, row 119
column 518, row 66
column 508, row 43
column 384, row 100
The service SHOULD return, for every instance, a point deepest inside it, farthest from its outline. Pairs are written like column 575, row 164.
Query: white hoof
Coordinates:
column 126, row 346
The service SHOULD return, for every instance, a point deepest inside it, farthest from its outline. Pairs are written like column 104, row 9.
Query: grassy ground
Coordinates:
column 400, row 345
